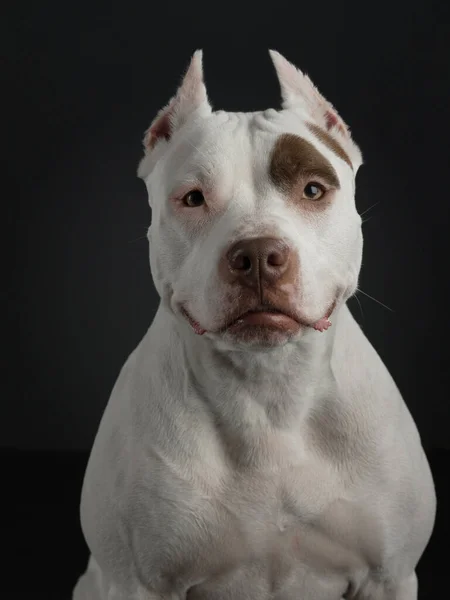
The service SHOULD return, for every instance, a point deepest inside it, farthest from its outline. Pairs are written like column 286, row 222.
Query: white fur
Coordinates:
column 234, row 471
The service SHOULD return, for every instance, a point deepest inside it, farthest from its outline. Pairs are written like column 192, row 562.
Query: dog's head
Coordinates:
column 255, row 237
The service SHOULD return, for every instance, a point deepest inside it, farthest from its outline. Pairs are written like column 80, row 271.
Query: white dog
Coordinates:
column 254, row 446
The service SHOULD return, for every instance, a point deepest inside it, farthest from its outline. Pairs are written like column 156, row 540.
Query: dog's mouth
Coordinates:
column 265, row 317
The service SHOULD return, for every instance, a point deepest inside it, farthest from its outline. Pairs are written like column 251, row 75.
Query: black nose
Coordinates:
column 259, row 259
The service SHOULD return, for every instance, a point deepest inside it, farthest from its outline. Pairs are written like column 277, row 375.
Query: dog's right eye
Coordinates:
column 194, row 199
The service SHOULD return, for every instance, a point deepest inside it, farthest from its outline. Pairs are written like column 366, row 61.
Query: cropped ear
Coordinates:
column 190, row 97
column 298, row 91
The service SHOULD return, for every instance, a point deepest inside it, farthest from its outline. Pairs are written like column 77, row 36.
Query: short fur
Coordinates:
column 273, row 466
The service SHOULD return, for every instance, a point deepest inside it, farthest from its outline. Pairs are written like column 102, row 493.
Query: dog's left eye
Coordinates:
column 313, row 191
column 194, row 199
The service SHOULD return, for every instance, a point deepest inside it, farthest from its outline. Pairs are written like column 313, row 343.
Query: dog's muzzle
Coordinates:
column 264, row 274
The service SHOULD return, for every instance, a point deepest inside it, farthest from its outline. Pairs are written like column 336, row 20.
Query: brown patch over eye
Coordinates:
column 295, row 160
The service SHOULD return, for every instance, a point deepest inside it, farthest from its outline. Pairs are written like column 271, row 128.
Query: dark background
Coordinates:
column 81, row 82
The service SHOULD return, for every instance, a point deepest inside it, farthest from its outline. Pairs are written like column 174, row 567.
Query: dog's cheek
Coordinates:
column 330, row 251
column 200, row 287
column 167, row 256
column 348, row 256
column 157, row 268
column 218, row 301
column 356, row 263
column 182, row 269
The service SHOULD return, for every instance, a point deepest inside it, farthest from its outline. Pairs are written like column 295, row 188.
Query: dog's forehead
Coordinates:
column 274, row 142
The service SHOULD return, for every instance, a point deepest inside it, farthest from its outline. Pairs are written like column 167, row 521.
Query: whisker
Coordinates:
column 375, row 300
column 360, row 307
column 142, row 237
column 370, row 208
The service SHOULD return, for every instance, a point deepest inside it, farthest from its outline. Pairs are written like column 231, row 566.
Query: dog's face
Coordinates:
column 255, row 237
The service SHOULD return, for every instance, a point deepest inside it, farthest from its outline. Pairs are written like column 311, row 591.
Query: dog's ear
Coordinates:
column 191, row 97
column 298, row 91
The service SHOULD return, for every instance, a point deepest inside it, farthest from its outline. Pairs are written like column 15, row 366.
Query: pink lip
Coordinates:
column 324, row 323
column 270, row 318
column 198, row 329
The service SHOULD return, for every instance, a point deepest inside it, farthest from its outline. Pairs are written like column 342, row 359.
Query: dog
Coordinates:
column 254, row 446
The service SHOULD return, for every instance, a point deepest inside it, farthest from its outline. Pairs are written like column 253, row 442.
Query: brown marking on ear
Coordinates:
column 294, row 160
column 330, row 142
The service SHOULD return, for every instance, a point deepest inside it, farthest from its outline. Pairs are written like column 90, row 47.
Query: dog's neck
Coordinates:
column 253, row 392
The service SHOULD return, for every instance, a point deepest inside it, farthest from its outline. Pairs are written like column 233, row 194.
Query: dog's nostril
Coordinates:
column 246, row 263
column 276, row 259
column 241, row 262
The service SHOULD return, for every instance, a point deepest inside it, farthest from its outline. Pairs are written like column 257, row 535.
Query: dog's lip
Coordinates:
column 193, row 323
column 199, row 330
column 282, row 312
column 262, row 310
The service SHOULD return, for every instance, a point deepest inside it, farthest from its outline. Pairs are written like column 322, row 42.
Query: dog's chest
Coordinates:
column 276, row 528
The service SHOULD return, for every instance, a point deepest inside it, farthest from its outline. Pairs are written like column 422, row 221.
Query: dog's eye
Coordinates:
column 194, row 199
column 313, row 191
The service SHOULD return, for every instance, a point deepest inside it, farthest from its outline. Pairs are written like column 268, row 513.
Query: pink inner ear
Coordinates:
column 332, row 120
column 160, row 128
